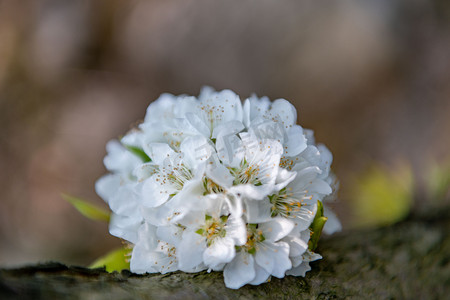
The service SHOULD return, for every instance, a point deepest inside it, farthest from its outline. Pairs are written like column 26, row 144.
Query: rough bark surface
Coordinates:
column 409, row 260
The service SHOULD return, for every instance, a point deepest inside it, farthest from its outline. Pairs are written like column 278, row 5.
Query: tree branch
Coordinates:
column 409, row 260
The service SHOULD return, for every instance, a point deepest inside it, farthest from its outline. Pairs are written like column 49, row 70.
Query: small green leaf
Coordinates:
column 317, row 227
column 139, row 153
column 116, row 260
column 87, row 209
column 252, row 226
column 262, row 238
column 200, row 231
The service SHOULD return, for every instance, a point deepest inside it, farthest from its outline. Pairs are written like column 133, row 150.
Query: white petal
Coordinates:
column 151, row 260
column 155, row 193
column 190, row 250
column 276, row 229
column 305, row 216
column 283, row 111
column 220, row 251
column 264, row 257
column 196, row 150
column 311, row 256
column 333, row 224
column 125, row 201
column 320, row 186
column 256, row 107
column 170, row 233
column 144, row 171
column 297, row 246
column 161, row 108
column 240, row 271
column 258, row 211
column 235, row 205
column 193, row 220
column 188, row 200
column 106, row 187
column 268, row 129
column 325, row 155
column 198, row 124
column 133, row 138
column 246, row 113
column 219, row 173
column 296, row 261
column 304, row 177
column 163, row 215
column 309, row 134
column 284, row 177
column 124, row 227
column 261, row 275
column 295, row 141
column 227, row 128
column 273, row 257
column 158, row 152
column 143, row 260
column 304, row 267
column 299, row 270
column 206, row 92
column 229, row 102
column 119, row 159
column 229, row 147
column 282, row 263
column 236, row 230
column 186, row 104
column 252, row 191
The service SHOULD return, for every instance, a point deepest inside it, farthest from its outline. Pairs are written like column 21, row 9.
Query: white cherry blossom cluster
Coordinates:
column 211, row 183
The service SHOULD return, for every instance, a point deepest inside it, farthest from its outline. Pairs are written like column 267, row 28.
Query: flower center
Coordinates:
column 176, row 176
column 213, row 114
column 254, row 236
column 285, row 204
column 213, row 228
column 287, row 162
column 246, row 173
column 211, row 187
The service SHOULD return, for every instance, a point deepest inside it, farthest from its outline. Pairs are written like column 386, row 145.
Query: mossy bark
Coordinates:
column 409, row 260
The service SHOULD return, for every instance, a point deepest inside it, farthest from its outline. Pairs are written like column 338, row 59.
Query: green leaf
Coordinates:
column 382, row 196
column 139, row 153
column 317, row 227
column 116, row 260
column 319, row 210
column 87, row 209
column 437, row 181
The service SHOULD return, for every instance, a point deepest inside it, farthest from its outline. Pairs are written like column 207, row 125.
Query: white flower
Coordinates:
column 118, row 190
column 210, row 235
column 251, row 169
column 303, row 265
column 210, row 184
column 262, row 255
column 151, row 254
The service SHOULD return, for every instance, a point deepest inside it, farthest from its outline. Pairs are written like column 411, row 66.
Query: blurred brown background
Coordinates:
column 372, row 78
